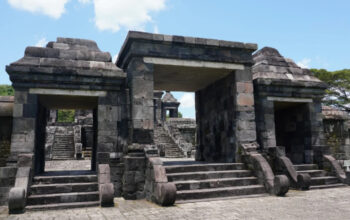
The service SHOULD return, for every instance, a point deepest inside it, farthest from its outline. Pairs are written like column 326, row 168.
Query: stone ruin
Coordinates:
column 259, row 125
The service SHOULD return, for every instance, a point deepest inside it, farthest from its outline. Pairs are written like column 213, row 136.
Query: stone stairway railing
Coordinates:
column 277, row 185
column 19, row 193
column 178, row 140
column 285, row 166
column 158, row 189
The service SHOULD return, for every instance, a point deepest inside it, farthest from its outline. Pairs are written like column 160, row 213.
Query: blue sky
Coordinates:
column 314, row 33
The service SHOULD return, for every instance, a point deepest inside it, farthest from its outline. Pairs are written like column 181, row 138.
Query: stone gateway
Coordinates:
column 258, row 124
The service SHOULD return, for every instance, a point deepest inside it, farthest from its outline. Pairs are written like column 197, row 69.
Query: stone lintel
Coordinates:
column 284, row 99
column 40, row 91
column 193, row 63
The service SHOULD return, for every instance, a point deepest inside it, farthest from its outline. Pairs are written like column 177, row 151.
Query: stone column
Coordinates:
column 317, row 139
column 140, row 81
column 244, row 108
column 24, row 125
column 265, row 122
column 108, row 116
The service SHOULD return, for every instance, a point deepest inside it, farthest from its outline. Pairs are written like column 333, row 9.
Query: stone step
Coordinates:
column 62, row 206
column 215, row 183
column 62, row 158
column 64, row 179
column 324, row 180
column 314, row 173
column 328, row 186
column 301, row 167
column 208, row 175
column 219, row 192
column 63, row 198
column 63, row 153
column 63, row 188
column 174, row 156
column 204, row 167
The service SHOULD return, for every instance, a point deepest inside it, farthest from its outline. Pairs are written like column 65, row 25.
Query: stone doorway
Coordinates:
column 69, row 139
column 292, row 129
column 60, row 142
column 219, row 72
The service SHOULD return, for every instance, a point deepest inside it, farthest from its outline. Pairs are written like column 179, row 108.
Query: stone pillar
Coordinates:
column 317, row 138
column 158, row 106
column 78, row 146
column 108, row 116
column 265, row 122
column 244, row 108
column 24, row 125
column 140, row 81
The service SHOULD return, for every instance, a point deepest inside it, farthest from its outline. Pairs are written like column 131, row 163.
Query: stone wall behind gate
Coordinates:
column 215, row 121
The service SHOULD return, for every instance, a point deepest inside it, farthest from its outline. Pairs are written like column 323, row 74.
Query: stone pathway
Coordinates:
column 315, row 204
column 59, row 165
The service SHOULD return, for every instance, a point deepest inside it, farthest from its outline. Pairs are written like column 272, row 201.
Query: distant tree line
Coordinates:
column 338, row 91
column 6, row 90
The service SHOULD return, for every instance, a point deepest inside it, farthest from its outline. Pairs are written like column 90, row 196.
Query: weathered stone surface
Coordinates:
column 17, row 200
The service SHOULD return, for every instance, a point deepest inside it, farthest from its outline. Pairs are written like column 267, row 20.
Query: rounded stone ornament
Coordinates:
column 166, row 194
column 281, row 185
column 17, row 200
column 304, row 181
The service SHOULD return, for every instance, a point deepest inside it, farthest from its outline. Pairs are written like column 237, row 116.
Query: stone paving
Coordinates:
column 314, row 204
column 59, row 165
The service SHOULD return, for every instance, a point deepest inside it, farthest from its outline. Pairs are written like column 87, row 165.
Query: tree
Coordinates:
column 65, row 115
column 338, row 92
column 6, row 90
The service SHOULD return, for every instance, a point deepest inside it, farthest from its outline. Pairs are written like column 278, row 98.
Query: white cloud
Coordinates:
column 304, row 63
column 155, row 29
column 187, row 100
column 52, row 8
column 131, row 14
column 41, row 43
column 84, row 1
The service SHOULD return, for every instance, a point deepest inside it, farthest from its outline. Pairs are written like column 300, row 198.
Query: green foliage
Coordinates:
column 338, row 93
column 6, row 90
column 65, row 115
column 180, row 114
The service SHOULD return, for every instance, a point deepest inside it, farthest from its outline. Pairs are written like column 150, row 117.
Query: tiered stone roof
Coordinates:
column 169, row 98
column 271, row 66
column 65, row 57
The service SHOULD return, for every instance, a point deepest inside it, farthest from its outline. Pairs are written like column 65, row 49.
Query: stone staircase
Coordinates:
column 63, row 147
column 320, row 179
column 166, row 144
column 63, row 191
column 200, row 181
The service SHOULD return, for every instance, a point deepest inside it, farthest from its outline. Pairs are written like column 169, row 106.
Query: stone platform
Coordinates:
column 314, row 204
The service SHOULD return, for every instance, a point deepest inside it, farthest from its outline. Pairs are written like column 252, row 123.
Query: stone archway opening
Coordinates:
column 292, row 129
column 219, row 72
column 66, row 134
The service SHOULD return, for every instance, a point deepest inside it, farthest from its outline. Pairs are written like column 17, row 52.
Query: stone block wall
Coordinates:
column 112, row 135
column 5, row 139
column 24, row 124
column 225, row 117
column 337, row 136
column 141, row 85
column 215, row 118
